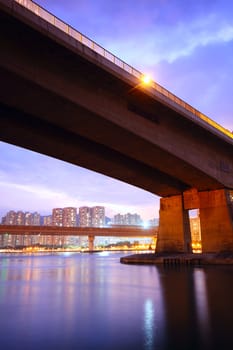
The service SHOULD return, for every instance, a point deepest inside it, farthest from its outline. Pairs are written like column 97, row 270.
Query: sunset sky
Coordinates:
column 186, row 46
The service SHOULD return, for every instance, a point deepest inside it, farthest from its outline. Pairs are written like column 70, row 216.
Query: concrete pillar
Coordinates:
column 216, row 221
column 91, row 239
column 174, row 230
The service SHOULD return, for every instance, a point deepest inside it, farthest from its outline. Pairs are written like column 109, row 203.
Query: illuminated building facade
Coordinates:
column 195, row 228
column 57, row 217
column 69, row 217
column 10, row 218
column 98, row 216
column 47, row 220
column 85, row 216
column 19, row 218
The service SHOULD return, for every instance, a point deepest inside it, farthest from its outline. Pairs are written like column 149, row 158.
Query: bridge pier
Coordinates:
column 91, row 239
column 174, row 231
column 216, row 221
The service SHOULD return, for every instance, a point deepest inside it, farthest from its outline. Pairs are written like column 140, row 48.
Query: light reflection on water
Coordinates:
column 149, row 325
column 91, row 301
column 202, row 308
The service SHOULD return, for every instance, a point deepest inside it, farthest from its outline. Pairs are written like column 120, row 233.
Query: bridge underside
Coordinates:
column 76, row 106
column 68, row 105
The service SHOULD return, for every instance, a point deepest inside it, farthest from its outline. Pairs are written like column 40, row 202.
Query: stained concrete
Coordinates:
column 216, row 221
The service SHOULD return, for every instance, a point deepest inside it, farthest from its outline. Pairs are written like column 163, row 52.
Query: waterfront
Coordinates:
column 92, row 301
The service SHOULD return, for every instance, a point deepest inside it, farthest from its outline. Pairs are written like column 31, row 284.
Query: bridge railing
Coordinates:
column 49, row 17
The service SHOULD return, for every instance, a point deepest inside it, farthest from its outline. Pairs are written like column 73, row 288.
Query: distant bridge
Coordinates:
column 91, row 232
column 125, row 231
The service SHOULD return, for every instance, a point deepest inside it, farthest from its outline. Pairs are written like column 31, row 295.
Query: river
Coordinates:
column 85, row 301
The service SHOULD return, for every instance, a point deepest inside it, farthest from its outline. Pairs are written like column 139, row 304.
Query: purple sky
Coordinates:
column 186, row 46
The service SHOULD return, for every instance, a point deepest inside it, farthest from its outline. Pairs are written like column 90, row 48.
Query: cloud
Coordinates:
column 204, row 80
column 36, row 191
column 147, row 32
column 33, row 182
column 42, row 199
column 170, row 43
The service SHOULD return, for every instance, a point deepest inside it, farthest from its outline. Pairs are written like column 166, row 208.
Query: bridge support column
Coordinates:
column 216, row 220
column 91, row 239
column 174, row 229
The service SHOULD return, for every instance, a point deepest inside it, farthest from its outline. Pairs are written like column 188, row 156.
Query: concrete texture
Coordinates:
column 216, row 221
column 174, row 233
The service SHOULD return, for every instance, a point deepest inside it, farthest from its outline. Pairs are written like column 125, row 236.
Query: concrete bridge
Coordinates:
column 91, row 232
column 65, row 96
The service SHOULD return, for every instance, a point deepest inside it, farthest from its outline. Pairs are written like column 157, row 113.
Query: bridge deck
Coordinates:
column 79, row 231
column 157, row 90
column 66, row 97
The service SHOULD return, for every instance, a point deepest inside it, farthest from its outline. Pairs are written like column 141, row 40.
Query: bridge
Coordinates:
column 91, row 232
column 67, row 97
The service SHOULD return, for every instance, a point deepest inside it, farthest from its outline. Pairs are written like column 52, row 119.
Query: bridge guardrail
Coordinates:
column 49, row 17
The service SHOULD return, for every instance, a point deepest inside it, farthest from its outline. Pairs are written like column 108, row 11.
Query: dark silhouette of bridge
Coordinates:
column 69, row 98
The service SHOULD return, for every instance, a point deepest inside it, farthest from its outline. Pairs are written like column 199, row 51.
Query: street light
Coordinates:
column 146, row 79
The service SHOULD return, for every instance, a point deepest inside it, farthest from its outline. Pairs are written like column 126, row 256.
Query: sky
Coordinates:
column 186, row 46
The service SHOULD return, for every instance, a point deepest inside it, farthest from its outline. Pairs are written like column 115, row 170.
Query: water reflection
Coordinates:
column 201, row 300
column 91, row 301
column 149, row 324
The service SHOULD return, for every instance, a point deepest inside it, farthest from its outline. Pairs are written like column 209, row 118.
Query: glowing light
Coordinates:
column 146, row 79
column 103, row 253
column 145, row 224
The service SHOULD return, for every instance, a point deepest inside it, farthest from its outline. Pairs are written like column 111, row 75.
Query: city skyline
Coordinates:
column 70, row 216
column 187, row 48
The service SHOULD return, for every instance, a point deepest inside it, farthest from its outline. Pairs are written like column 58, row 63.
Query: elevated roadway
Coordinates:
column 136, row 231
column 90, row 232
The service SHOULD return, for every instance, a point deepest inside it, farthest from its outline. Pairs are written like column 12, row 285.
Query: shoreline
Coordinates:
column 21, row 251
column 177, row 259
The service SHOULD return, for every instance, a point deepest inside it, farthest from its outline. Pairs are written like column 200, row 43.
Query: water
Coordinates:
column 91, row 301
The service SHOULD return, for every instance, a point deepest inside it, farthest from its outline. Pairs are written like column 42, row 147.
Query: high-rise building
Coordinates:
column 35, row 219
column 85, row 217
column 57, row 220
column 28, row 218
column 92, row 217
column 195, row 229
column 70, row 220
column 132, row 219
column 20, row 216
column 127, row 219
column 154, row 222
column 3, row 220
column 57, row 217
column 98, row 216
column 63, row 217
column 118, row 219
column 69, row 217
column 10, row 218
column 47, row 220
